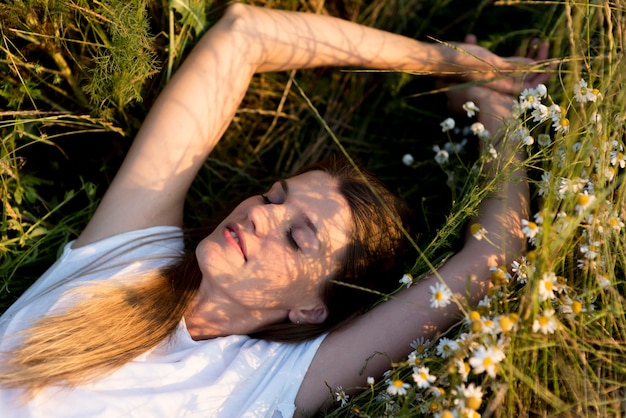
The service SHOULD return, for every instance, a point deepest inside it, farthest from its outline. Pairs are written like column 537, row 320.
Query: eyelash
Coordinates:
column 289, row 232
column 291, row 240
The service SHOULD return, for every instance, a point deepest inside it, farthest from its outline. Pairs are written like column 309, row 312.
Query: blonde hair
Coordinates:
column 110, row 325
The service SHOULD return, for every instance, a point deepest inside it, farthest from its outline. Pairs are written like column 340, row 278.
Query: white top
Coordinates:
column 234, row 376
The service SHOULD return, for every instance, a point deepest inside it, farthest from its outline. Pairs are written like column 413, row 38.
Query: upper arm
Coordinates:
column 179, row 132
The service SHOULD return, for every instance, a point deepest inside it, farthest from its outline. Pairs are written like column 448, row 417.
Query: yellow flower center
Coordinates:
column 583, row 199
column 531, row 256
column 475, row 228
column 505, row 323
column 476, row 327
column 577, row 307
column 424, row 375
column 564, row 122
column 447, row 414
column 548, row 285
column 438, row 295
column 487, row 362
column 474, row 315
column 543, row 320
column 473, row 402
column 595, row 91
column 398, row 383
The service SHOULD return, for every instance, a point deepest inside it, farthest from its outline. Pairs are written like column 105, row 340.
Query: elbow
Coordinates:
column 239, row 17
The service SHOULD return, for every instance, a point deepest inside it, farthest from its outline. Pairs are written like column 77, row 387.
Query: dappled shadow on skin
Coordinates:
column 267, row 261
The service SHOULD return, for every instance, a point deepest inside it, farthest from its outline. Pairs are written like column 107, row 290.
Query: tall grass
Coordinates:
column 78, row 77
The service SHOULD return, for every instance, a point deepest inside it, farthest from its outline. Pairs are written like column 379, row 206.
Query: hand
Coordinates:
column 510, row 75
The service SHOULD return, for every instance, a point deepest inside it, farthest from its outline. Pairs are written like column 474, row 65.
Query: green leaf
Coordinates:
column 192, row 13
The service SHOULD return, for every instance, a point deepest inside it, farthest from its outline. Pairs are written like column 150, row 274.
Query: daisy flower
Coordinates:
column 583, row 200
column 590, row 249
column 441, row 295
column 477, row 128
column 547, row 286
column 472, row 396
column 478, row 231
column 541, row 90
column 463, row 369
column 584, row 94
column 408, row 160
column 617, row 158
column 546, row 324
column 422, row 377
column 486, row 359
column 529, row 99
column 561, row 125
column 507, row 323
column 441, row 155
column 575, row 185
column 520, row 270
column 556, row 112
column 493, row 153
column 447, row 347
column 570, row 308
column 471, row 108
column 544, row 185
column 341, row 396
column 540, row 113
column 407, row 279
column 397, row 387
column 421, row 346
column 447, row 125
column 529, row 229
column 499, row 275
column 615, row 222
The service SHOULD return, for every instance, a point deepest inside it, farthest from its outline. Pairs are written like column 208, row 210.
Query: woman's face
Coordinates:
column 275, row 251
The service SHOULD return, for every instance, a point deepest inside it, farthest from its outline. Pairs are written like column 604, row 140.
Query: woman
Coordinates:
column 130, row 330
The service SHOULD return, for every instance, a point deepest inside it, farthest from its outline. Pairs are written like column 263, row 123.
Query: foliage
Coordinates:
column 77, row 77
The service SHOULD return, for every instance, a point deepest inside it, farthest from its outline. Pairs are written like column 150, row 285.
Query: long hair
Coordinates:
column 118, row 322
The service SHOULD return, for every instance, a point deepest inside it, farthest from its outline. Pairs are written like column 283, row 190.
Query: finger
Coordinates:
column 470, row 38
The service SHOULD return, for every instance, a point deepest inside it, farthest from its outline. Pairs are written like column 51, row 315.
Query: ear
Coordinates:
column 315, row 315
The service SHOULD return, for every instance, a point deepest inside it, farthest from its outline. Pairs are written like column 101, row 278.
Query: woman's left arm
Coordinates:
column 198, row 104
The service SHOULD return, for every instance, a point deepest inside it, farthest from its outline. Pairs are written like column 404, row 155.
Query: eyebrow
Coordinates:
column 307, row 221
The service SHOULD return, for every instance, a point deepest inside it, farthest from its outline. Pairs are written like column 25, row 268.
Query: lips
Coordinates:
column 234, row 237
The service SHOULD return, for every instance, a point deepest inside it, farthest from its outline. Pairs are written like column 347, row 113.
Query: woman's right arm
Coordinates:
column 197, row 105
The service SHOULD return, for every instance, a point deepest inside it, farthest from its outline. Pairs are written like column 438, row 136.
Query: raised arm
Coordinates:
column 197, row 105
column 390, row 327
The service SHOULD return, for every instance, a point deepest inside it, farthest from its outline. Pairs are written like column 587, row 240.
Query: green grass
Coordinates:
column 77, row 78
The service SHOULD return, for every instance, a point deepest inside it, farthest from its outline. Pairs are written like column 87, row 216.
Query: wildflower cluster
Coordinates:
column 447, row 155
column 565, row 275
column 577, row 211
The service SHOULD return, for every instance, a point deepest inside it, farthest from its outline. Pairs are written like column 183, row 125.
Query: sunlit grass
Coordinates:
column 55, row 98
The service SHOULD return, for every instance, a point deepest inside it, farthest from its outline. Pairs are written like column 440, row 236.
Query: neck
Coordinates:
column 210, row 316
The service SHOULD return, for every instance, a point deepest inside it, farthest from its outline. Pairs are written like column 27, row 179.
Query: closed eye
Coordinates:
column 292, row 241
column 266, row 200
